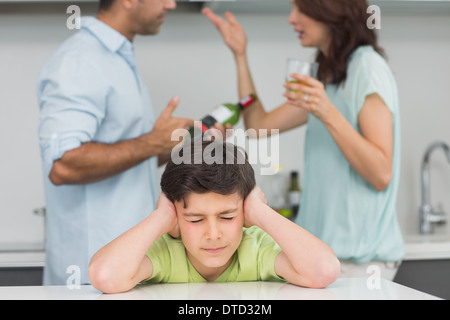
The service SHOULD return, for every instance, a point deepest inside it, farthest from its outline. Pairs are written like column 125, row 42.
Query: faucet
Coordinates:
column 427, row 214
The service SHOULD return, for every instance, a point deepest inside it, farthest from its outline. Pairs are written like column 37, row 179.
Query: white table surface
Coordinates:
column 342, row 289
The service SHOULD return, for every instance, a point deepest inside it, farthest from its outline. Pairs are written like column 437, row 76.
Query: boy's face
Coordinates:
column 211, row 230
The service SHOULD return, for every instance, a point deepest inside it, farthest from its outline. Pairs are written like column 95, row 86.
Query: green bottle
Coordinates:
column 225, row 113
column 294, row 194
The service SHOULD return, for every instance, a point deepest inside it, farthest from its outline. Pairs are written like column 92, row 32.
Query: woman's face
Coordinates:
column 311, row 32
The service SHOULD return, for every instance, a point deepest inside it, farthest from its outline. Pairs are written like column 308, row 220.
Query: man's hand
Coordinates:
column 252, row 203
column 165, row 125
column 94, row 161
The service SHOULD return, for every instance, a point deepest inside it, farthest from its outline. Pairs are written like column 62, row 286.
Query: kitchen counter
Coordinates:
column 22, row 254
column 418, row 247
column 342, row 289
column 427, row 247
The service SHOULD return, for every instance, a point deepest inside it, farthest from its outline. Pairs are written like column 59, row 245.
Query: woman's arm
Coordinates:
column 305, row 260
column 284, row 117
column 369, row 152
column 122, row 264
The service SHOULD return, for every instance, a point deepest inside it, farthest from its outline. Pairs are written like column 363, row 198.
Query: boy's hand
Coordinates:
column 253, row 201
column 168, row 209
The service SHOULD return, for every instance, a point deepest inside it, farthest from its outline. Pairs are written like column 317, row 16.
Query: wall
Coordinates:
column 188, row 48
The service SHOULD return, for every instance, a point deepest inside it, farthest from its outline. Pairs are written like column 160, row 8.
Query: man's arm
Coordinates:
column 305, row 260
column 122, row 264
column 94, row 161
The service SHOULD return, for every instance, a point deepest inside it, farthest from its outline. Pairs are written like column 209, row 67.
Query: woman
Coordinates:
column 352, row 143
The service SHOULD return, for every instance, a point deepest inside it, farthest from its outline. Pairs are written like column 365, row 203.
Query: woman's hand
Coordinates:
column 253, row 201
column 309, row 95
column 232, row 32
column 168, row 209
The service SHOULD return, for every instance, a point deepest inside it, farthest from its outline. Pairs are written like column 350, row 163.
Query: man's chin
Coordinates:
column 150, row 31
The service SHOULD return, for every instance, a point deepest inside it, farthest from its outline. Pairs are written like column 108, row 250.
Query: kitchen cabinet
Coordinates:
column 284, row 7
column 21, row 276
column 426, row 266
column 430, row 276
column 20, row 267
column 271, row 6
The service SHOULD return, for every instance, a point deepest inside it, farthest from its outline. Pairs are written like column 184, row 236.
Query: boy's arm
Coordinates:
column 305, row 260
column 122, row 264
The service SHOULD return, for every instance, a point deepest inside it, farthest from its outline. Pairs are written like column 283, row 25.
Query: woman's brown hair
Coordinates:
column 232, row 173
column 347, row 22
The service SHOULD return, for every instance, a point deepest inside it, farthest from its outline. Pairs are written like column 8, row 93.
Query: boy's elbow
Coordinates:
column 103, row 279
column 330, row 271
column 325, row 273
column 99, row 278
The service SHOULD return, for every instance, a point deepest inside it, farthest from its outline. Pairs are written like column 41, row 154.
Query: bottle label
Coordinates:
column 221, row 114
column 294, row 197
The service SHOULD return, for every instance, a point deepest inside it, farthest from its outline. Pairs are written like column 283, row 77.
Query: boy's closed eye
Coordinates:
column 227, row 215
column 228, row 218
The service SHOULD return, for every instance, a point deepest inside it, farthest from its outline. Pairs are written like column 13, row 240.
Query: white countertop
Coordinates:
column 342, row 289
column 22, row 259
column 424, row 247
column 22, row 254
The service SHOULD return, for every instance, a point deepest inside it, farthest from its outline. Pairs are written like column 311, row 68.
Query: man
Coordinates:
column 100, row 142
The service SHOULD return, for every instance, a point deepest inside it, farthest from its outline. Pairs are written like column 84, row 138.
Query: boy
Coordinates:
column 196, row 233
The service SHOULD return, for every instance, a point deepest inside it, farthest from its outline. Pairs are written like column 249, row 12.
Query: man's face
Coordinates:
column 211, row 230
column 148, row 15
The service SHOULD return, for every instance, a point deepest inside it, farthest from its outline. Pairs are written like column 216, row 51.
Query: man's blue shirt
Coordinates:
column 90, row 91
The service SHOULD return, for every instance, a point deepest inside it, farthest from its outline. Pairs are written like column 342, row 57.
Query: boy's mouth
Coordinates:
column 214, row 250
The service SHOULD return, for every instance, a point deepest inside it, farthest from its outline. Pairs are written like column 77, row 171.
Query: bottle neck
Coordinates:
column 247, row 101
column 294, row 184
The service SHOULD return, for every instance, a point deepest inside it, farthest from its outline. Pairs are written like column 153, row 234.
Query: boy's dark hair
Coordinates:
column 225, row 178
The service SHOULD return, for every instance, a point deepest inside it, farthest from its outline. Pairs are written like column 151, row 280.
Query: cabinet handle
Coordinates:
column 40, row 211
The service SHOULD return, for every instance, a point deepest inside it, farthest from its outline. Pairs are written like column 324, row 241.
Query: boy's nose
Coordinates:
column 213, row 231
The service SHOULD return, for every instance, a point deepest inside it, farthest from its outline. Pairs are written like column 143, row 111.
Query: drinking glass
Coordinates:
column 300, row 67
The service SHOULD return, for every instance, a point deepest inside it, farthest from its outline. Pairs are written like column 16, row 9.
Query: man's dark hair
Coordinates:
column 105, row 4
column 178, row 180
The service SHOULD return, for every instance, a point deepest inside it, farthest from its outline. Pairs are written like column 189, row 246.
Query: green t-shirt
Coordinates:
column 254, row 260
